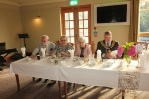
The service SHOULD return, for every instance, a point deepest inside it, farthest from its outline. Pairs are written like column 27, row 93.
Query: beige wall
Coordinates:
column 119, row 32
column 49, row 22
column 10, row 25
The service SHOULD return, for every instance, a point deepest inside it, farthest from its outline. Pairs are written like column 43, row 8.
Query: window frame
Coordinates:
column 141, row 34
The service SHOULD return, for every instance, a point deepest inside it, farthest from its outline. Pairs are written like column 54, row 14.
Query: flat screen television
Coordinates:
column 112, row 14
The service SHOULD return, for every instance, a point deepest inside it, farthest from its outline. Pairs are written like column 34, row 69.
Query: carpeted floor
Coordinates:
column 39, row 90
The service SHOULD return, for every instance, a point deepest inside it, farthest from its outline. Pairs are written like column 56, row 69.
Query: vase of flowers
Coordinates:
column 127, row 51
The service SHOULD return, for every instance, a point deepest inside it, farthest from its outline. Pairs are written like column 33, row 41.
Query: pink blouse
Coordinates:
column 87, row 50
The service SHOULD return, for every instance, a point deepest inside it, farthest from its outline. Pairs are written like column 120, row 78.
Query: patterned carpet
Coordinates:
column 39, row 90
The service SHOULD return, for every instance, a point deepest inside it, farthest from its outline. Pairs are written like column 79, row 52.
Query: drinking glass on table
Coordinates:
column 38, row 57
column 59, row 55
column 53, row 55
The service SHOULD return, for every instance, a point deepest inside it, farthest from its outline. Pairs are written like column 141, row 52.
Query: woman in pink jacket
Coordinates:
column 83, row 49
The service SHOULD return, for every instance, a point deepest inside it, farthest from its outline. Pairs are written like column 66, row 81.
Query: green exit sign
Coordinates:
column 73, row 2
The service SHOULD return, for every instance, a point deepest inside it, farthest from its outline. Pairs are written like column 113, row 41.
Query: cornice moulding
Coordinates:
column 35, row 2
column 9, row 2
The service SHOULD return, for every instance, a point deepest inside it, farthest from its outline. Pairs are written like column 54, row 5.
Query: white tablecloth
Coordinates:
column 70, row 71
column 34, row 68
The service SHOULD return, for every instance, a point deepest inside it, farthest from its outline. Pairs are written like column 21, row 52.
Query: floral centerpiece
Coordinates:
column 127, row 50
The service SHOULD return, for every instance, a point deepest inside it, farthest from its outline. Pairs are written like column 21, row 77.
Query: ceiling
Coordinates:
column 28, row 2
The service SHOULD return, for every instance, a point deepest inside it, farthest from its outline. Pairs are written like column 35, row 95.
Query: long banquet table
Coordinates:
column 68, row 70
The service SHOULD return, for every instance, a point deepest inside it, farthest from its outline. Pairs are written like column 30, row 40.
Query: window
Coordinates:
column 144, row 21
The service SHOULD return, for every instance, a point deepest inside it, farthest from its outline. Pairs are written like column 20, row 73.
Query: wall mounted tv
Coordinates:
column 112, row 14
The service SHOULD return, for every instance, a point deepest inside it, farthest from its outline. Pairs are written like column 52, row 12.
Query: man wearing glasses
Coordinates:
column 45, row 43
column 107, row 46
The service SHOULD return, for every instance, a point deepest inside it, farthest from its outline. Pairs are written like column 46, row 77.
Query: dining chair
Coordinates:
column 145, row 48
column 92, row 46
column 144, row 43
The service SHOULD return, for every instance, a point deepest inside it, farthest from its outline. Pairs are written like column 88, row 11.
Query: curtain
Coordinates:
column 134, row 20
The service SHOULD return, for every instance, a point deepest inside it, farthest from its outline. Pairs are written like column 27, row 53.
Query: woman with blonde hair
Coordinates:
column 83, row 49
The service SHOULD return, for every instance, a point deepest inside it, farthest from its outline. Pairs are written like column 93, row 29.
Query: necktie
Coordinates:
column 108, row 44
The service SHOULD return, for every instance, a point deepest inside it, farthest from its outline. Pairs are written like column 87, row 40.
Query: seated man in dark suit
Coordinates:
column 107, row 46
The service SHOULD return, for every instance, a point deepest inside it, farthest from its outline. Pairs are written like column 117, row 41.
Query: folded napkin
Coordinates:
column 114, row 52
column 23, row 49
column 43, row 51
column 71, row 53
column 144, row 59
column 36, row 50
column 99, row 55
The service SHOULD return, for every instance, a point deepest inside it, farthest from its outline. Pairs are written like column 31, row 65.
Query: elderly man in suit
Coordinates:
column 45, row 43
column 50, row 46
column 107, row 46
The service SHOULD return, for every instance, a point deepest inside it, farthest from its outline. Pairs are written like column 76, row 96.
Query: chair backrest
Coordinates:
column 92, row 46
column 73, row 45
column 144, row 43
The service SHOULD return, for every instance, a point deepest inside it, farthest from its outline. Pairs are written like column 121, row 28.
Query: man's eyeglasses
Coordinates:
column 64, row 40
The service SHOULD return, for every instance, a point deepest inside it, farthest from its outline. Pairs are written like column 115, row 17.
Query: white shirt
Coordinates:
column 103, row 55
column 107, row 43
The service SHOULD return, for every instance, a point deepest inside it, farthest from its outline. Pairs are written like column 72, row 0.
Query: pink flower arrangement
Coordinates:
column 120, row 51
column 131, row 51
column 128, row 49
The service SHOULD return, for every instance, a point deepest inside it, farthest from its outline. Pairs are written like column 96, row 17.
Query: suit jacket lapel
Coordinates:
column 104, row 42
column 111, row 41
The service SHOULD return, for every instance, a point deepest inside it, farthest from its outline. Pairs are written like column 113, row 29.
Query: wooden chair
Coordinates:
column 92, row 47
column 145, row 47
column 73, row 45
column 144, row 43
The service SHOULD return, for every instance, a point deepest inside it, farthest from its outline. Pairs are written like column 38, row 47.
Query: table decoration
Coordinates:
column 127, row 51
column 28, row 58
column 99, row 56
column 71, row 51
column 129, row 80
column 43, row 50
column 140, row 54
column 139, row 48
column 92, row 61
